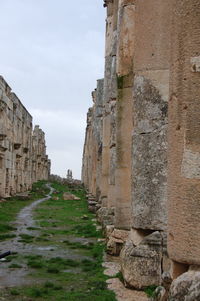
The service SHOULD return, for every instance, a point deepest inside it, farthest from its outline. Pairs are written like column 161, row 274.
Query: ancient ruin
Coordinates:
column 23, row 158
column 142, row 182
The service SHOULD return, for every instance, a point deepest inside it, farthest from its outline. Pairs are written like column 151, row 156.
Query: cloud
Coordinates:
column 64, row 131
column 51, row 53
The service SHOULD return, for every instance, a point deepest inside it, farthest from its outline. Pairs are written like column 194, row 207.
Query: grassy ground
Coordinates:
column 10, row 208
column 71, row 269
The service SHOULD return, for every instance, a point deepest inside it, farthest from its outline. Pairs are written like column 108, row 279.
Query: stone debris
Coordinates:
column 141, row 264
column 186, row 287
column 69, row 196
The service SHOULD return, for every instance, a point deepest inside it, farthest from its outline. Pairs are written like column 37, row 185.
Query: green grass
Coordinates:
column 120, row 276
column 60, row 277
column 14, row 292
column 6, row 236
column 78, row 245
column 10, row 208
column 15, row 266
column 150, row 290
column 26, row 238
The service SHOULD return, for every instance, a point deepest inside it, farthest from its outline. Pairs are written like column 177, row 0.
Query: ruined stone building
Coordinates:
column 141, row 160
column 23, row 158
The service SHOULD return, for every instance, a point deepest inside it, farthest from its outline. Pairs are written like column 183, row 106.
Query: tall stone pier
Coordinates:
column 124, row 123
column 184, row 150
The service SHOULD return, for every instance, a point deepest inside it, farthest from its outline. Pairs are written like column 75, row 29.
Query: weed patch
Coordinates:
column 150, row 290
column 15, row 266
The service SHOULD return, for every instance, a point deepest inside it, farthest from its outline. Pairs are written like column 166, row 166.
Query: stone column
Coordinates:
column 184, row 138
column 144, row 255
column 125, row 52
column 106, row 213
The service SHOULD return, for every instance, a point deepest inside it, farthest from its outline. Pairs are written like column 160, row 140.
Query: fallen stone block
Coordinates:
column 141, row 265
column 105, row 216
column 186, row 287
column 68, row 196
column 114, row 246
column 116, row 241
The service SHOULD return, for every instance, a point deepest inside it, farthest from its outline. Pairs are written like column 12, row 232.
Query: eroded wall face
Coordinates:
column 150, row 106
column 40, row 161
column 152, row 61
column 92, row 154
column 124, row 123
column 109, row 112
column 144, row 255
column 16, row 145
column 184, row 135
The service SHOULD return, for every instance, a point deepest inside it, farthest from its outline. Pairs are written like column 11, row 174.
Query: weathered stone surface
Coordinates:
column 105, row 216
column 116, row 241
column 114, row 246
column 184, row 137
column 160, row 294
column 124, row 294
column 186, row 287
column 124, row 122
column 141, row 265
column 108, row 230
column 149, row 157
column 136, row 236
column 92, row 154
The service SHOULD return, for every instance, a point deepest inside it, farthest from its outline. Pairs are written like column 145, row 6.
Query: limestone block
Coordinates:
column 123, row 156
column 152, row 34
column 186, row 287
column 136, row 236
column 114, row 246
column 126, row 31
column 149, row 157
column 120, row 234
column 105, row 216
column 141, row 265
column 108, row 230
column 184, row 137
column 160, row 294
column 116, row 241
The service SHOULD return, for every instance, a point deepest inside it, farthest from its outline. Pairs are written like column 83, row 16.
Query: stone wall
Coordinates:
column 152, row 62
column 23, row 158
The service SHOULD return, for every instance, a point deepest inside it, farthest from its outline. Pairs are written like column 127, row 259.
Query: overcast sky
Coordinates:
column 51, row 54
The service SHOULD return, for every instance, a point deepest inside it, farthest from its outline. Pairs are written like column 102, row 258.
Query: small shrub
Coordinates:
column 150, row 290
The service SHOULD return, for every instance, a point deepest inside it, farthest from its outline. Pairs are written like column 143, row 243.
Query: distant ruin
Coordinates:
column 23, row 158
column 144, row 183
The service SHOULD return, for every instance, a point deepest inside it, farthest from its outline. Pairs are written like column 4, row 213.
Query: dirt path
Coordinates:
column 14, row 277
column 23, row 222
